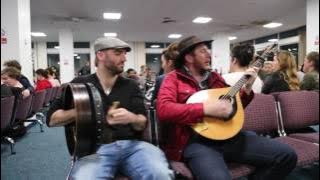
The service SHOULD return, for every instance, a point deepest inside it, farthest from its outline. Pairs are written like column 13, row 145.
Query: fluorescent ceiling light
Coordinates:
column 75, row 54
column 174, row 36
column 155, row 46
column 232, row 38
column 56, row 47
column 78, row 57
column 272, row 25
column 273, row 40
column 111, row 34
column 202, row 20
column 114, row 16
column 38, row 34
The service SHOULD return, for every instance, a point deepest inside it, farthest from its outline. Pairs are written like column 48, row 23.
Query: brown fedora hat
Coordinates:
column 188, row 44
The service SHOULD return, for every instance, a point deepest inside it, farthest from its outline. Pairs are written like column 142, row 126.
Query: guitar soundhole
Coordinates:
column 227, row 98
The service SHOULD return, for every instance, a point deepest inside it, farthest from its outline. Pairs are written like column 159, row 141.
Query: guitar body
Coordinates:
column 215, row 128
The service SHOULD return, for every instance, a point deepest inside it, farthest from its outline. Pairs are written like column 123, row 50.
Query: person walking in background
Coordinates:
column 241, row 57
column 311, row 68
column 285, row 76
column 42, row 80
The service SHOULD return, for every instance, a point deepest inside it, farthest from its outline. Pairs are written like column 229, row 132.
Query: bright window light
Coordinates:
column 174, row 36
column 111, row 34
column 232, row 38
column 273, row 40
column 272, row 25
column 114, row 16
column 38, row 34
column 155, row 46
column 57, row 47
column 202, row 20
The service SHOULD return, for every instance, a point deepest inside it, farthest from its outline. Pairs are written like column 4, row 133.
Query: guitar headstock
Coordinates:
column 267, row 52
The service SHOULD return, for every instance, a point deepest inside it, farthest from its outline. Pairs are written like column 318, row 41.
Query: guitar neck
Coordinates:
column 258, row 63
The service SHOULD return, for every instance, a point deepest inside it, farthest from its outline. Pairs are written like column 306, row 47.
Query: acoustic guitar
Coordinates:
column 222, row 129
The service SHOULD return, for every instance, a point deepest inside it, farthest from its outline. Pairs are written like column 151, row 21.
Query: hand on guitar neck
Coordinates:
column 251, row 74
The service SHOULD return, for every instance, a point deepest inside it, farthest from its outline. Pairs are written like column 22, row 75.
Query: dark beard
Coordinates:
column 115, row 71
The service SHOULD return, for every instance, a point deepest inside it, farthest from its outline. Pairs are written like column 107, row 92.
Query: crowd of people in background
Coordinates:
column 13, row 82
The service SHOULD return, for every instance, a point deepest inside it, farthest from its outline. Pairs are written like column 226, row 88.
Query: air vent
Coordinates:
column 167, row 20
column 259, row 22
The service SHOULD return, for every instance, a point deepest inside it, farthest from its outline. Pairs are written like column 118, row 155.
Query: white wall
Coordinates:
column 220, row 53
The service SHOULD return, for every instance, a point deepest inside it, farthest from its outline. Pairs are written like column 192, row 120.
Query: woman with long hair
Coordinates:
column 285, row 76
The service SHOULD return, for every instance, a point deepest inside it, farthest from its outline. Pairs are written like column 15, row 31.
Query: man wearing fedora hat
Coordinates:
column 206, row 157
column 123, row 151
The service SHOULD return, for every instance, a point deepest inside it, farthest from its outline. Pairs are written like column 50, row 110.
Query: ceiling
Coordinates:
column 142, row 19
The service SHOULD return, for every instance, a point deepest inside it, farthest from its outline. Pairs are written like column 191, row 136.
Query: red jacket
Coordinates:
column 43, row 84
column 176, row 116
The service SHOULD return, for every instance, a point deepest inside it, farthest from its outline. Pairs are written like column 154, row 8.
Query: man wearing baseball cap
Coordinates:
column 125, row 152
column 206, row 157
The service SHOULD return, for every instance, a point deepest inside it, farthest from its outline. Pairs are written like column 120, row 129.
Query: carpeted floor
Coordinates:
column 44, row 156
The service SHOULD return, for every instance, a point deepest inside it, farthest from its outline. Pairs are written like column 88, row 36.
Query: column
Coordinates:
column 92, row 58
column 220, row 52
column 312, row 25
column 66, row 55
column 16, row 34
column 40, row 56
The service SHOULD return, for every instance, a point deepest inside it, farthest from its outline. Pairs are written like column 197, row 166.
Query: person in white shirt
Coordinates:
column 241, row 57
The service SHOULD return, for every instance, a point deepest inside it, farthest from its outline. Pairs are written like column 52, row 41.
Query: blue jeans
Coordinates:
column 207, row 158
column 137, row 159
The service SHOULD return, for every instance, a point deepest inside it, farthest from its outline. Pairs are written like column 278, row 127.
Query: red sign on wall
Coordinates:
column 3, row 36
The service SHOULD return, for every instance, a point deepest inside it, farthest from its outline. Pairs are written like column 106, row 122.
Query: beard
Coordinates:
column 114, row 70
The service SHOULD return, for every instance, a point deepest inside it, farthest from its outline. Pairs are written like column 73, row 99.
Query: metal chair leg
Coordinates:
column 41, row 124
column 12, row 143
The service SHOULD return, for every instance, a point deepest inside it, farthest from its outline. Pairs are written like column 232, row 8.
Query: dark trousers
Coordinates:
column 207, row 158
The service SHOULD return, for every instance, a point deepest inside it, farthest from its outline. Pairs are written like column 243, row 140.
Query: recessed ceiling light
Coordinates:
column 232, row 38
column 111, row 34
column 273, row 40
column 202, row 20
column 57, row 47
column 155, row 46
column 114, row 16
column 174, row 36
column 272, row 25
column 38, row 34
column 75, row 54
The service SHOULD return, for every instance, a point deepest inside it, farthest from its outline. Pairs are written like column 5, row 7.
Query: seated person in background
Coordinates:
column 42, row 81
column 126, row 152
column 132, row 74
column 52, row 77
column 9, row 77
column 311, row 68
column 206, row 157
column 300, row 73
column 284, row 77
column 241, row 56
column 27, row 87
column 167, row 63
column 266, row 70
